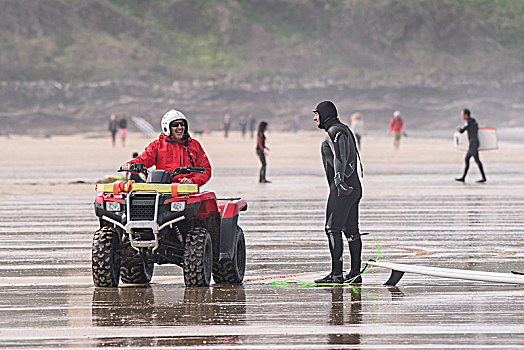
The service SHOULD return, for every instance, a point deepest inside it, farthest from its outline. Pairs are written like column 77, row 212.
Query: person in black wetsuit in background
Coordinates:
column 473, row 151
column 261, row 151
column 339, row 155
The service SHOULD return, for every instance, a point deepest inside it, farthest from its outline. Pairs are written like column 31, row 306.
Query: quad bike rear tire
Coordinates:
column 232, row 270
column 134, row 271
column 198, row 258
column 105, row 260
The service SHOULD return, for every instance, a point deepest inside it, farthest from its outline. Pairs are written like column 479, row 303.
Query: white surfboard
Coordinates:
column 143, row 125
column 483, row 276
column 487, row 139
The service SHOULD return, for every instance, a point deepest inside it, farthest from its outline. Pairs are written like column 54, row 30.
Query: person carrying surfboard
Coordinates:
column 339, row 155
column 472, row 128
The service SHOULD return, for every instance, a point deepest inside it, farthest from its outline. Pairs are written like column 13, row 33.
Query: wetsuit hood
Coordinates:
column 328, row 114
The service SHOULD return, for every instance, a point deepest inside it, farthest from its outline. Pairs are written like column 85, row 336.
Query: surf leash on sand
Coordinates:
column 291, row 282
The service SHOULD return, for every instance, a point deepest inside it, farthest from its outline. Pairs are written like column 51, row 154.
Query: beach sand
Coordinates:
column 411, row 204
column 76, row 162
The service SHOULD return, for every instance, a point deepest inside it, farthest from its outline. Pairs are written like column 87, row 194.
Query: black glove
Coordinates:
column 343, row 189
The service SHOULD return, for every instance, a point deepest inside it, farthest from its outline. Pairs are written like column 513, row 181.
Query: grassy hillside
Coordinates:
column 159, row 41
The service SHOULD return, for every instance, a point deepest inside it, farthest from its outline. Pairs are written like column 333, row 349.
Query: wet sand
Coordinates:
column 411, row 204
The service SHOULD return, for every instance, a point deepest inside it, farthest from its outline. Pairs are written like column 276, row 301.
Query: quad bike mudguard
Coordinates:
column 229, row 212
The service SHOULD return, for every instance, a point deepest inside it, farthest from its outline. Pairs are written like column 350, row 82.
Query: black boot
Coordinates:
column 326, row 279
column 263, row 176
column 331, row 279
column 355, row 250
column 336, row 247
column 481, row 169
column 466, row 168
column 353, row 277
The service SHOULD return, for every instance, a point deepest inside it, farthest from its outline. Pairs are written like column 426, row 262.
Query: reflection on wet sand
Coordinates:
column 396, row 293
column 133, row 306
column 219, row 305
column 349, row 312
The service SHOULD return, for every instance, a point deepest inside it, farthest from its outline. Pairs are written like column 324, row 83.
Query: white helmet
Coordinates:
column 168, row 118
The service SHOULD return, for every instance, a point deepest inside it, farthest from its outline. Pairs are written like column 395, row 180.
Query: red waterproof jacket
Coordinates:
column 167, row 154
column 396, row 125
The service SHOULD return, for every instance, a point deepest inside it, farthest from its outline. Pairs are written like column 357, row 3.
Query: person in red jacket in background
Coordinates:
column 396, row 126
column 174, row 148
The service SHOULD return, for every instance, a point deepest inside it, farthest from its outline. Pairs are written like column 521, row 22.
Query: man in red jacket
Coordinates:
column 175, row 148
column 396, row 125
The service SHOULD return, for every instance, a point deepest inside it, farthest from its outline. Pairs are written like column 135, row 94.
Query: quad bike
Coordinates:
column 159, row 222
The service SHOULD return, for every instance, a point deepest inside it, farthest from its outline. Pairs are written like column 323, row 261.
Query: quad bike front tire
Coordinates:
column 232, row 270
column 134, row 271
column 198, row 258
column 105, row 260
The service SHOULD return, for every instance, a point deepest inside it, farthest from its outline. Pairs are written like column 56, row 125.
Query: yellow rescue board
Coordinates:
column 163, row 188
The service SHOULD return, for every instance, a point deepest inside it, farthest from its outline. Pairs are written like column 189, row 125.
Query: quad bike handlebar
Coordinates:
column 187, row 170
column 135, row 168
column 140, row 168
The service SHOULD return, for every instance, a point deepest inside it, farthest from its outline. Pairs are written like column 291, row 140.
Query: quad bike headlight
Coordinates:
column 178, row 206
column 113, row 206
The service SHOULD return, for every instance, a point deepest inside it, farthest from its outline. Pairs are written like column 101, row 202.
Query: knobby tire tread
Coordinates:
column 225, row 271
column 105, row 262
column 194, row 258
column 133, row 271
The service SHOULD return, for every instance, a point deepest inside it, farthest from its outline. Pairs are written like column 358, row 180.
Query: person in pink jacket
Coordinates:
column 174, row 148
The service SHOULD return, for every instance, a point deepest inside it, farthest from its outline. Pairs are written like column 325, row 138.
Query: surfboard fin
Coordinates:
column 394, row 278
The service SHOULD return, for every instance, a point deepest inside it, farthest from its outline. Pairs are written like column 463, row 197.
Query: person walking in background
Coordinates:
column 8, row 131
column 261, row 151
column 357, row 126
column 296, row 124
column 243, row 125
column 339, row 155
column 226, row 124
column 113, row 128
column 122, row 128
column 472, row 128
column 252, row 123
column 396, row 126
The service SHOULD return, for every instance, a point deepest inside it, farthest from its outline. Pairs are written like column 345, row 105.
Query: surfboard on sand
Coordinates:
column 143, row 125
column 487, row 139
column 398, row 270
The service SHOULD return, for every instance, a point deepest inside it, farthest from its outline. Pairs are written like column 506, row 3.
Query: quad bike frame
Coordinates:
column 142, row 224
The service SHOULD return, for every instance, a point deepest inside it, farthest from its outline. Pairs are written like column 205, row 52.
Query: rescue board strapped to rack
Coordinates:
column 398, row 270
column 126, row 186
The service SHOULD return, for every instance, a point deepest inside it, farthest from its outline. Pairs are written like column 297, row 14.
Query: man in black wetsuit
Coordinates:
column 472, row 128
column 339, row 155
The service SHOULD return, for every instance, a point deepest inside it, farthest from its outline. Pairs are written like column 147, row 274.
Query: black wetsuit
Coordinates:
column 473, row 151
column 261, row 145
column 339, row 155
